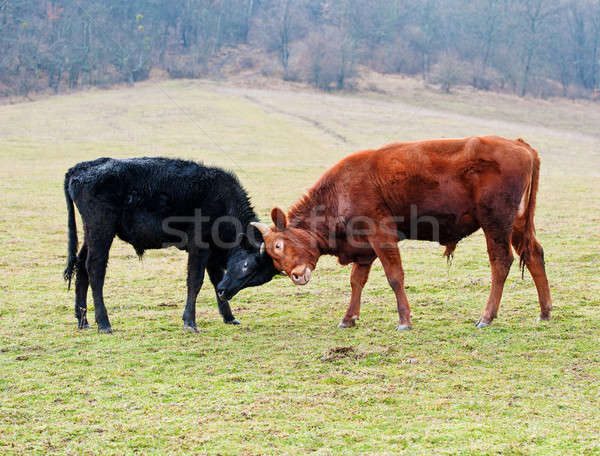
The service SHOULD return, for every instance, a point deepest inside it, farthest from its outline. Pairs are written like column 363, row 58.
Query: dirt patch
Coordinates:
column 361, row 351
column 340, row 353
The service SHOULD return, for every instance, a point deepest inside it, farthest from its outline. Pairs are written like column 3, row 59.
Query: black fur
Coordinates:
column 153, row 203
column 72, row 255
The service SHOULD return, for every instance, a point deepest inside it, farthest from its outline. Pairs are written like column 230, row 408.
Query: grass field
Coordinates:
column 288, row 381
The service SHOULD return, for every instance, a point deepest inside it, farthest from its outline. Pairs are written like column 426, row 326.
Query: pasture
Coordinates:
column 288, row 381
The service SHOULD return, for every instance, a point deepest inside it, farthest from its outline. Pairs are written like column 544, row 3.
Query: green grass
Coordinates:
column 280, row 384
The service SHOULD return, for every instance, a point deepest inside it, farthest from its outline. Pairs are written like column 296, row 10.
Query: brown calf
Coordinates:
column 441, row 190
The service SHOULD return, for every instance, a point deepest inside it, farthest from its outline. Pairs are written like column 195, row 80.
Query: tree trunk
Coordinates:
column 526, row 72
column 285, row 36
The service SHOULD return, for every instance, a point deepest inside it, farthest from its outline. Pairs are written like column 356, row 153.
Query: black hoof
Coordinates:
column 235, row 321
column 84, row 325
column 106, row 330
column 482, row 324
column 190, row 328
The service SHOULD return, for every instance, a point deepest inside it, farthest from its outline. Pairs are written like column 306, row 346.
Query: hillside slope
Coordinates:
column 288, row 381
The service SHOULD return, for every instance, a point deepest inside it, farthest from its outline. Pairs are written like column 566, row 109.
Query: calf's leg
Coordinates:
column 534, row 260
column 387, row 251
column 195, row 278
column 215, row 275
column 501, row 258
column 358, row 279
column 96, row 261
column 82, row 283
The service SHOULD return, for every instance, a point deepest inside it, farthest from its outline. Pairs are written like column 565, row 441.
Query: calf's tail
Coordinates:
column 72, row 250
column 524, row 233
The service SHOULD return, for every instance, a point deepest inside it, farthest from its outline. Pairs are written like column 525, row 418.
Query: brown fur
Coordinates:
column 460, row 185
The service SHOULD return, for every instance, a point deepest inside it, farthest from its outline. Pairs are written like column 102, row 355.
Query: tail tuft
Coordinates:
column 522, row 263
column 69, row 271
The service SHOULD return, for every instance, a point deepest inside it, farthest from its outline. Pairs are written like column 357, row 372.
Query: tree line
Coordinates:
column 537, row 47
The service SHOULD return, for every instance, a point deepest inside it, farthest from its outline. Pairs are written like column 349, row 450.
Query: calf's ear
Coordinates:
column 279, row 218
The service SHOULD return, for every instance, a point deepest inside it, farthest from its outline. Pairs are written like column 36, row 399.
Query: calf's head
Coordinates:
column 248, row 265
column 293, row 250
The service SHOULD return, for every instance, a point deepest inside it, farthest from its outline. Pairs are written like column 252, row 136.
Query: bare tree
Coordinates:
column 537, row 15
column 284, row 34
column 509, row 45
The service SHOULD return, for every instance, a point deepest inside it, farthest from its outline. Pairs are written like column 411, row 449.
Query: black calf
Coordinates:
column 155, row 203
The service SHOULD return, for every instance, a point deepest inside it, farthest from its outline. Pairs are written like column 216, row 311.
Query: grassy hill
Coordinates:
column 288, row 381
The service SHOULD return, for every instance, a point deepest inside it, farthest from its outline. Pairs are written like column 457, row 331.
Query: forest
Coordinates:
column 541, row 48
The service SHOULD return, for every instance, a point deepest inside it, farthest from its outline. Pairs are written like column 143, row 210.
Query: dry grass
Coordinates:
column 288, row 381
